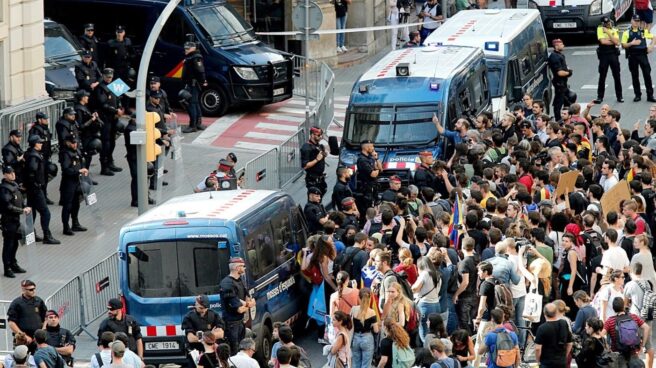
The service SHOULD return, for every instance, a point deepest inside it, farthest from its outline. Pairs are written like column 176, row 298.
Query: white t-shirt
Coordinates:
column 105, row 355
column 634, row 292
column 609, row 293
column 429, row 291
column 615, row 258
column 648, row 272
column 518, row 290
column 242, row 360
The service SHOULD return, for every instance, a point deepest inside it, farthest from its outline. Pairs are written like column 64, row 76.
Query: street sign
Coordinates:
column 314, row 20
column 118, row 87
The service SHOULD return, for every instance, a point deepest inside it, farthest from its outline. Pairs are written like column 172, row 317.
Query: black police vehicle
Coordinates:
column 62, row 54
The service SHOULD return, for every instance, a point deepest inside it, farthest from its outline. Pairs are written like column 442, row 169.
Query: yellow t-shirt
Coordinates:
column 602, row 35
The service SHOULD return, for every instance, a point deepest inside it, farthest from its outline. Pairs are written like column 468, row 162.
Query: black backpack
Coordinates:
column 405, row 286
column 592, row 241
column 344, row 262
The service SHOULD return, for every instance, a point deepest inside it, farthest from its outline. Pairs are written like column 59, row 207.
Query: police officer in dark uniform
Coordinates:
column 236, row 302
column 315, row 213
column 121, row 53
column 424, row 176
column 342, row 189
column 118, row 321
column 35, row 181
column 392, row 193
column 69, row 189
column 155, row 85
column 11, row 205
column 89, row 125
column 40, row 128
column 13, row 154
column 561, row 73
column 59, row 338
column 313, row 161
column 87, row 73
column 635, row 40
column 131, row 157
column 27, row 313
column 66, row 126
column 109, row 109
column 608, row 55
column 369, row 168
column 154, row 105
column 193, row 74
column 90, row 42
column 199, row 320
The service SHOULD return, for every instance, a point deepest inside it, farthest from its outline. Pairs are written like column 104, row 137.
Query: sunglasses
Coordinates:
column 30, row 289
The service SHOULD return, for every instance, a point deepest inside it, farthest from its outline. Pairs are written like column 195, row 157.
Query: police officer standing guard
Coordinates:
column 368, row 170
column 236, row 302
column 199, row 320
column 424, row 175
column 59, row 338
column 634, row 40
column 313, row 161
column 69, row 189
column 560, row 73
column 13, row 155
column 118, row 321
column 109, row 109
column 608, row 54
column 40, row 128
column 90, row 42
column 89, row 125
column 120, row 55
column 35, row 181
column 341, row 189
column 193, row 74
column 27, row 313
column 87, row 73
column 11, row 204
column 315, row 213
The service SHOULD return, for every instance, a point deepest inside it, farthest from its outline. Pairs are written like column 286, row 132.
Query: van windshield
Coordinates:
column 392, row 125
column 495, row 70
column 223, row 25
column 59, row 45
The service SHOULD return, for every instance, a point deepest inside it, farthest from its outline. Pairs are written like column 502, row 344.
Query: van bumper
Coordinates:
column 570, row 20
column 155, row 357
column 275, row 84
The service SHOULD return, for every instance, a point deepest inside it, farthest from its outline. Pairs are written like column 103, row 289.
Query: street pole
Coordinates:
column 306, row 53
column 142, row 175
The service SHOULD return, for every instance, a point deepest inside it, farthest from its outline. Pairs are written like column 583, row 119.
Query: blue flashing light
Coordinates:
column 492, row 46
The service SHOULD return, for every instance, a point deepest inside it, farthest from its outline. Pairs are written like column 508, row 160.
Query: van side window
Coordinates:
column 300, row 232
column 282, row 238
column 452, row 114
column 465, row 99
column 175, row 30
column 260, row 250
column 525, row 65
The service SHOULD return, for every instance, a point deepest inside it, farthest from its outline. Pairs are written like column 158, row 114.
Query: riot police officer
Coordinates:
column 35, row 181
column 608, row 55
column 634, row 41
column 155, row 85
column 315, row 213
column 90, row 125
column 120, row 55
column 424, row 176
column 70, row 190
column 90, row 42
column 313, row 161
column 341, row 189
column 369, row 168
column 13, row 155
column 11, row 205
column 65, row 127
column 40, row 128
column 193, row 74
column 561, row 73
column 131, row 157
column 109, row 109
column 87, row 73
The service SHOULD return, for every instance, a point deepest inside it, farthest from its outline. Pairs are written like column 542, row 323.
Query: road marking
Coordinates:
column 584, row 53
column 342, row 98
column 217, row 128
column 255, row 146
column 282, row 117
column 642, row 87
column 282, row 127
column 590, row 86
column 268, row 136
column 291, row 110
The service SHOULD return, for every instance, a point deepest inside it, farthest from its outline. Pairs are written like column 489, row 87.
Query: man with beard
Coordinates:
column 118, row 321
column 236, row 302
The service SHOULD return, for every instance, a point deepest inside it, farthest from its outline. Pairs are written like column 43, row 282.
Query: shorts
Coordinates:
column 646, row 15
column 648, row 338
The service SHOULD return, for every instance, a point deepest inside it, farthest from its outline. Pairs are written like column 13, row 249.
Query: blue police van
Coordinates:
column 515, row 48
column 240, row 69
column 392, row 104
column 181, row 249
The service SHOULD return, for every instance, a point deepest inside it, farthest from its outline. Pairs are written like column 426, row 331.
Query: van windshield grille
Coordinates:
column 223, row 25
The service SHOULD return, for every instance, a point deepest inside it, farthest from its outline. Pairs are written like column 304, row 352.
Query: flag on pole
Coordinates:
column 456, row 222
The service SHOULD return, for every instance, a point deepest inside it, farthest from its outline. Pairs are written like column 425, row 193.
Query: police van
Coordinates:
column 181, row 249
column 578, row 16
column 392, row 104
column 515, row 48
column 240, row 69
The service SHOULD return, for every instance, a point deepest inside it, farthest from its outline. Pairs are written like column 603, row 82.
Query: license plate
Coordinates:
column 565, row 25
column 162, row 345
column 278, row 91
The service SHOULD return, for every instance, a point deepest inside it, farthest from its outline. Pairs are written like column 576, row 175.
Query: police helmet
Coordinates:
column 184, row 95
column 121, row 124
column 34, row 139
column 93, row 146
column 571, row 96
column 69, row 111
column 150, row 169
column 132, row 74
column 52, row 171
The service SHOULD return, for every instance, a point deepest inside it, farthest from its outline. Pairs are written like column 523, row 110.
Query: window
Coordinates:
column 153, row 270
column 452, row 114
column 282, row 237
column 299, row 229
column 260, row 250
column 465, row 100
column 525, row 65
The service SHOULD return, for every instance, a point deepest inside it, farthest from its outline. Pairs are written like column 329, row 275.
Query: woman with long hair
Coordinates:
column 586, row 311
column 609, row 292
column 394, row 334
column 570, row 280
column 341, row 347
column 345, row 297
column 397, row 305
column 365, row 324
column 463, row 347
column 427, row 293
column 407, row 265
column 436, row 330
column 593, row 345
column 322, row 258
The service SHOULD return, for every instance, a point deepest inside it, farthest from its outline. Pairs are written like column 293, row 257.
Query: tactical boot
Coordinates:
column 113, row 167
column 67, row 230
column 9, row 273
column 37, row 237
column 48, row 239
column 18, row 269
column 104, row 170
column 77, row 227
column 189, row 129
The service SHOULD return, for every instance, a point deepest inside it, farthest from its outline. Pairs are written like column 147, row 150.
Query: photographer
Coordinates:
column 608, row 55
column 313, row 157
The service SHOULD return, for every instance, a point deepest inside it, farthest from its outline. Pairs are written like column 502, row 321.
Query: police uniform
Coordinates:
column 193, row 74
column 424, row 177
column 10, row 154
column 87, row 74
column 341, row 191
column 558, row 63
column 128, row 325
column 43, row 131
column 35, row 181
column 59, row 337
column 89, row 129
column 314, row 212
column 11, row 204
column 131, row 157
column 608, row 56
column 27, row 313
column 314, row 176
column 193, row 322
column 90, row 43
column 120, row 55
column 66, row 128
column 367, row 187
column 107, row 105
column 233, row 292
column 69, row 188
column 637, row 55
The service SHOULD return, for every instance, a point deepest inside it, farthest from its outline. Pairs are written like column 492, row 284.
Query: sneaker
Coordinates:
column 344, row 49
column 323, row 341
column 339, row 50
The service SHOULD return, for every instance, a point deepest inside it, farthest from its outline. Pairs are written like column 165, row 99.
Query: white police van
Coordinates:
column 515, row 48
column 392, row 104
column 578, row 16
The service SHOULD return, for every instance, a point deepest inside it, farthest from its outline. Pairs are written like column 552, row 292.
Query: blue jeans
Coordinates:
column 519, row 321
column 362, row 350
column 426, row 309
column 452, row 322
column 341, row 24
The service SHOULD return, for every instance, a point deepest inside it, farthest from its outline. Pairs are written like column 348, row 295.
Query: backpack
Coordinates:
column 405, row 286
column 627, row 331
column 592, row 242
column 402, row 358
column 505, row 353
column 648, row 308
column 503, row 296
column 344, row 262
column 386, row 239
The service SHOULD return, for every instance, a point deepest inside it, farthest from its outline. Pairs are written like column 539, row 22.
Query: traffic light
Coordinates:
column 152, row 134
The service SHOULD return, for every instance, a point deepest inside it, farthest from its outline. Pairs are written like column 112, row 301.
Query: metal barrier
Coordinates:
column 289, row 160
column 67, row 301
column 6, row 338
column 22, row 116
column 99, row 284
column 262, row 171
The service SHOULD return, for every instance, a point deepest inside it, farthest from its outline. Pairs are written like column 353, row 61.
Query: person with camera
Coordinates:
column 608, row 55
column 313, row 161
column 634, row 41
column 199, row 320
column 369, row 168
column 561, row 73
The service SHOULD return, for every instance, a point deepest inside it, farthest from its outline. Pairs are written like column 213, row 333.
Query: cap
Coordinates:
column 69, row 111
column 71, row 138
column 7, row 169
column 34, row 139
column 238, row 260
column 81, row 93
column 20, row 352
column 114, row 304
column 120, row 28
column 155, row 94
column 89, row 27
column 118, row 348
column 316, row 130
column 556, row 40
column 108, row 72
column 85, row 53
column 41, row 115
column 636, row 17
column 225, row 165
column 16, row 132
column 348, row 202
column 605, row 20
column 233, row 157
column 52, row 312
column 24, row 283
column 203, row 300
column 189, row 44
column 366, row 141
column 395, row 178
column 426, row 154
column 154, row 79
column 389, row 196
column 314, row 190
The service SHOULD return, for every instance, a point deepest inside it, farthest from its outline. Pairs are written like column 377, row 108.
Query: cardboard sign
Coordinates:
column 566, row 183
column 610, row 201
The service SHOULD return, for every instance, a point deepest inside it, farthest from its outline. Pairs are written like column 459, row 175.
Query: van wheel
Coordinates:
column 213, row 101
column 263, row 352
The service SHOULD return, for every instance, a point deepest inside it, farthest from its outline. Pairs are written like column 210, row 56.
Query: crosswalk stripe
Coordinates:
column 283, row 117
column 291, row 110
column 255, row 146
column 590, row 86
column 267, row 136
column 283, row 127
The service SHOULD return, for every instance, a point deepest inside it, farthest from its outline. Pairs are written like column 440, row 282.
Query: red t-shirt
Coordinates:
column 411, row 271
column 527, row 180
column 609, row 326
column 640, row 224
